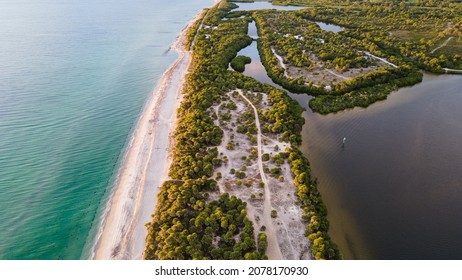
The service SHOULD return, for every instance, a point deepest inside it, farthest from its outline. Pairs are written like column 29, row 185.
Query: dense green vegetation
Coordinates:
column 284, row 117
column 398, row 31
column 238, row 63
column 191, row 32
column 187, row 227
column 187, row 223
column 360, row 91
column 361, row 97
column 415, row 35
column 315, row 211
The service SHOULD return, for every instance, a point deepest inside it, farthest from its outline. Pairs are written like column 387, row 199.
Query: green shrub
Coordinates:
column 238, row 63
column 274, row 213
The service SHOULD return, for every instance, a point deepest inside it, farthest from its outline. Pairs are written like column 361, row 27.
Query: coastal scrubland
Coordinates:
column 237, row 180
column 384, row 45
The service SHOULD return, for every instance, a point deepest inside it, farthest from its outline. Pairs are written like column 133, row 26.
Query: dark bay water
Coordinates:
column 394, row 191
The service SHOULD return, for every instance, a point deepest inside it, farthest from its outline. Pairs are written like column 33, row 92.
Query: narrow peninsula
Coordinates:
column 238, row 187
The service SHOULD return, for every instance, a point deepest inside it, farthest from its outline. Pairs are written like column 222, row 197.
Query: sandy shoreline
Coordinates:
column 146, row 164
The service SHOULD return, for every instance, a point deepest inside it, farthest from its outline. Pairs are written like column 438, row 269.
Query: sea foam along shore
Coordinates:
column 122, row 232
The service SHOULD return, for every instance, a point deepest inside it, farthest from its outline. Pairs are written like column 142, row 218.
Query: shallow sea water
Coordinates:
column 74, row 77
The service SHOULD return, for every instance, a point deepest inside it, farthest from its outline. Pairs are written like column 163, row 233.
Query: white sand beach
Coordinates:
column 145, row 167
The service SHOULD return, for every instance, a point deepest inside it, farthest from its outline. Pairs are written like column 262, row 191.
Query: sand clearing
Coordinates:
column 273, row 251
column 285, row 233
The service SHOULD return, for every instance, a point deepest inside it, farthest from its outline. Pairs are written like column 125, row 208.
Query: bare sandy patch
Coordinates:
column 320, row 75
column 242, row 175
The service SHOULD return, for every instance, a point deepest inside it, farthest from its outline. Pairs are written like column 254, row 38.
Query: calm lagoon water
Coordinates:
column 74, row 76
column 255, row 68
column 329, row 27
column 395, row 190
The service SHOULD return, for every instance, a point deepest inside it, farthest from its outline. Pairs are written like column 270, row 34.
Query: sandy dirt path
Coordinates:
column 452, row 70
column 381, row 59
column 197, row 31
column 273, row 251
column 336, row 75
column 442, row 45
column 281, row 61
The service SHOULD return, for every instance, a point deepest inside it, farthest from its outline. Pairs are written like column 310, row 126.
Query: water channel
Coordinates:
column 394, row 190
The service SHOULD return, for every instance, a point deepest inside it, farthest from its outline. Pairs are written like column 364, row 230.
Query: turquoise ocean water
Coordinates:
column 74, row 77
